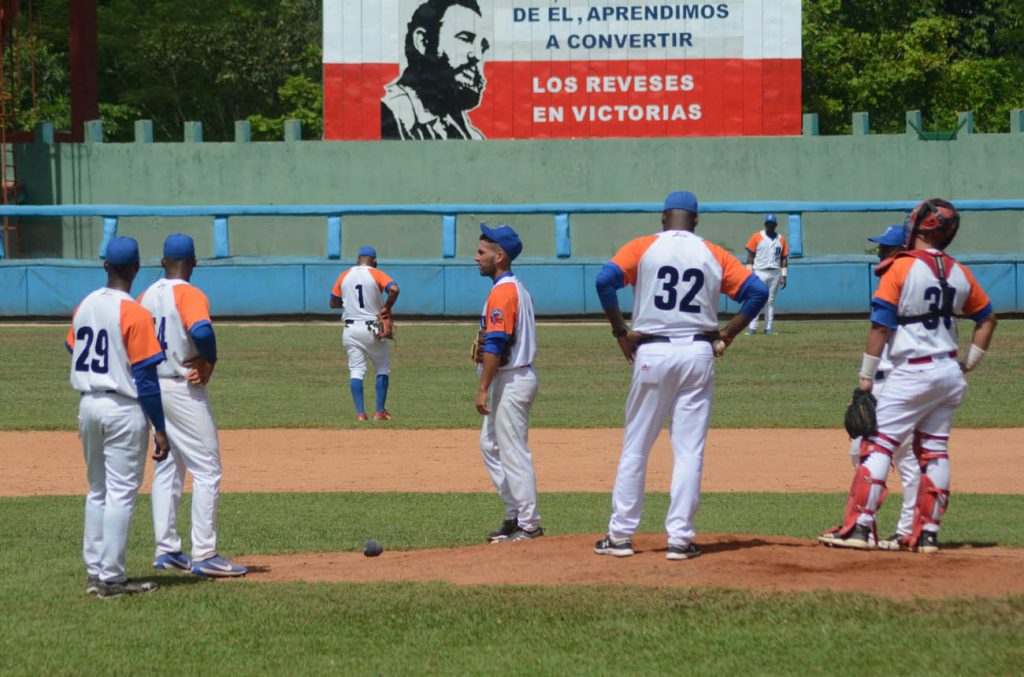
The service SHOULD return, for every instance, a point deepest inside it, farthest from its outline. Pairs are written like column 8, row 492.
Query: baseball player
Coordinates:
column 358, row 290
column 182, row 315
column 768, row 256
column 914, row 314
column 677, row 278
column 113, row 365
column 891, row 242
column 509, row 382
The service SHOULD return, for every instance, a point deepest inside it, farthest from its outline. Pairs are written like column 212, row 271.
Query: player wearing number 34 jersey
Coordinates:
column 677, row 279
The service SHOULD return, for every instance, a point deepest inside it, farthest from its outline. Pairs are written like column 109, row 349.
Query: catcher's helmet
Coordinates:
column 934, row 216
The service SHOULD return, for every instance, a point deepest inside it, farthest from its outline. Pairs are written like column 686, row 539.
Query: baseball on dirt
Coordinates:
column 719, row 347
column 372, row 548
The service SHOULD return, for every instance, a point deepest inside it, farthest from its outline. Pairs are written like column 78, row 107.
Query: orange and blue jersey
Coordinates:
column 921, row 311
column 768, row 252
column 677, row 279
column 114, row 349
column 508, row 316
column 359, row 289
column 183, row 326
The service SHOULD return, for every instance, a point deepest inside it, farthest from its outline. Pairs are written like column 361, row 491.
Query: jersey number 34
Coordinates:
column 666, row 297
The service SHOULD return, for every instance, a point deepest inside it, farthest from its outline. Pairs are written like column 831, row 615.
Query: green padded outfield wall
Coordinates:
column 870, row 167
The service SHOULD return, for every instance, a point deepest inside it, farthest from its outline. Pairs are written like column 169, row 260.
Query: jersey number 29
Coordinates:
column 665, row 299
column 100, row 363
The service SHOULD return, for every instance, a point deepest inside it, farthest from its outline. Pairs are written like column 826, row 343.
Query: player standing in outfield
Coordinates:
column 768, row 257
column 113, row 365
column 508, row 380
column 677, row 278
column 890, row 243
column 358, row 291
column 913, row 314
column 182, row 316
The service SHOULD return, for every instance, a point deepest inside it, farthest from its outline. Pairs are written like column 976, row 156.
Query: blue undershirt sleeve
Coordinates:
column 495, row 342
column 753, row 294
column 149, row 392
column 205, row 340
column 884, row 314
column 977, row 317
column 609, row 281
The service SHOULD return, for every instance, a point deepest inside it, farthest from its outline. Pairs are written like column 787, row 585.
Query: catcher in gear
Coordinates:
column 360, row 291
column 914, row 312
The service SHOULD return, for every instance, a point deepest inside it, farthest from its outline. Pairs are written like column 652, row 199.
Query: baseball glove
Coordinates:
column 383, row 328
column 860, row 418
column 477, row 349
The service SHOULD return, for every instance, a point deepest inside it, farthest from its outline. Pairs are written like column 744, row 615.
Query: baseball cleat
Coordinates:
column 382, row 416
column 609, row 546
column 218, row 567
column 751, row 332
column 361, row 417
column 521, row 534
column 92, row 585
column 858, row 538
column 507, row 528
column 769, row 331
column 172, row 560
column 895, row 542
column 928, row 543
column 681, row 552
column 111, row 590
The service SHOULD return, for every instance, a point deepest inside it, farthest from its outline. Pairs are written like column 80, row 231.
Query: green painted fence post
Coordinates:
column 810, row 124
column 243, row 131
column 861, row 124
column 293, row 130
column 143, row 131
column 193, row 131
column 1017, row 121
column 94, row 131
column 965, row 122
column 913, row 127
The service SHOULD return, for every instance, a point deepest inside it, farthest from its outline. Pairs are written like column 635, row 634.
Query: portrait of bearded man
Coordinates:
column 445, row 46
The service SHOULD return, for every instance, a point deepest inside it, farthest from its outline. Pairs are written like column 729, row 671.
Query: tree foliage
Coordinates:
column 217, row 62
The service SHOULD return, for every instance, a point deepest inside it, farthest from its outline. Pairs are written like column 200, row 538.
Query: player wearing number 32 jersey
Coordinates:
column 113, row 365
column 677, row 279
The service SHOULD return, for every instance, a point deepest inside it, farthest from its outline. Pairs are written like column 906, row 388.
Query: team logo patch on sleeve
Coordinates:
column 497, row 316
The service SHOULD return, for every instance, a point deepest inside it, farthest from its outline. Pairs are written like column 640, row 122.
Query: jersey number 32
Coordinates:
column 666, row 297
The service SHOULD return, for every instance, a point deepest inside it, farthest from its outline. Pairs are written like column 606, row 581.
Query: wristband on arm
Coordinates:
column 974, row 357
column 868, row 366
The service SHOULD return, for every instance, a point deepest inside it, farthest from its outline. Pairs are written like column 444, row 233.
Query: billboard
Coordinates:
column 542, row 69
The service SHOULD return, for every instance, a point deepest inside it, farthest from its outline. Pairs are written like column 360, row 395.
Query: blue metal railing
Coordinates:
column 449, row 215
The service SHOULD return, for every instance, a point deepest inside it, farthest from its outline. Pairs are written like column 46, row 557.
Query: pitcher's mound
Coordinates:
column 759, row 563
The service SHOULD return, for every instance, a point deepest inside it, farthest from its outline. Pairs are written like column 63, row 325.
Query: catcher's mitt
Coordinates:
column 860, row 415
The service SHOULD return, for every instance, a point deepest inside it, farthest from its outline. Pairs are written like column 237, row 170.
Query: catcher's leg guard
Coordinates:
column 860, row 500
column 932, row 500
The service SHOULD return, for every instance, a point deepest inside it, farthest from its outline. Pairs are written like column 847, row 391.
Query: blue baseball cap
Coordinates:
column 179, row 246
column 368, row 251
column 122, row 251
column 505, row 237
column 894, row 236
column 682, row 199
column 770, row 218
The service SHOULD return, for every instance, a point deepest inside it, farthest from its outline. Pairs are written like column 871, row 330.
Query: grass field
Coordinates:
column 295, row 376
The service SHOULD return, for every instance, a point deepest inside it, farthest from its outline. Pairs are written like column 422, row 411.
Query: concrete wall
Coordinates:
column 871, row 167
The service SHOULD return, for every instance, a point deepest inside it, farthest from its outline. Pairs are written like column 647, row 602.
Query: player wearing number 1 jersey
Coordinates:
column 113, row 365
column 677, row 279
column 182, row 315
column 359, row 291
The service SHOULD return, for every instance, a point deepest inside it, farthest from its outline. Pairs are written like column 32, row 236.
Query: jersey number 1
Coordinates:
column 359, row 290
column 669, row 277
column 100, row 363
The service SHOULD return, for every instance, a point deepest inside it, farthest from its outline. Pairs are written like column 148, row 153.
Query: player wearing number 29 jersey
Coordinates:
column 677, row 279
column 114, row 354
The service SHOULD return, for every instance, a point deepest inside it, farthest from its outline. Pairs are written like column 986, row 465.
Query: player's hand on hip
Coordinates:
column 384, row 313
column 200, row 371
column 161, row 447
column 866, row 384
column 782, row 282
column 628, row 345
column 481, row 403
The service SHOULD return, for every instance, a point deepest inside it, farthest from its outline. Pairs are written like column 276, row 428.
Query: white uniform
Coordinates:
column 177, row 308
column 110, row 333
column 504, row 434
column 925, row 386
column 768, row 253
column 359, row 289
column 677, row 278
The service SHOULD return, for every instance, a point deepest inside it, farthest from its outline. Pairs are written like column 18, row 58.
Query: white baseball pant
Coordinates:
column 361, row 344
column 194, row 446
column 678, row 381
column 114, row 434
column 503, row 444
column 771, row 277
column 920, row 397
